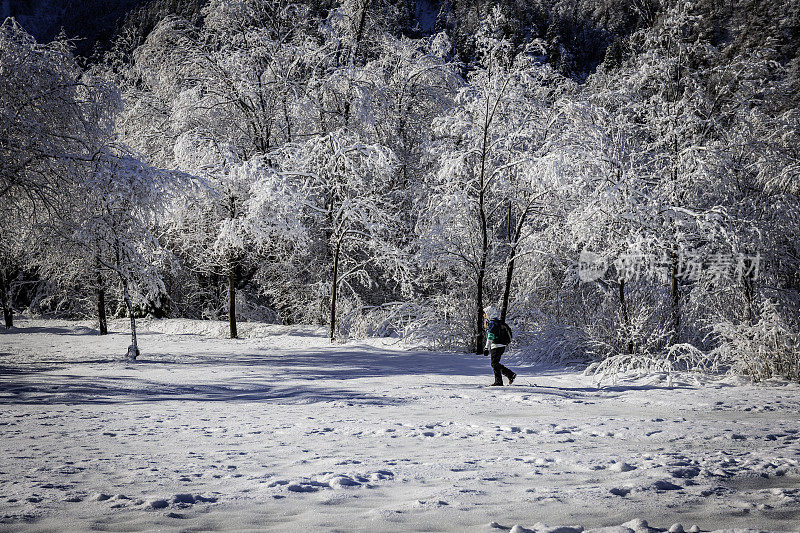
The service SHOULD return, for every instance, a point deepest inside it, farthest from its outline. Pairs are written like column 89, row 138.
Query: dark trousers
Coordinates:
column 499, row 370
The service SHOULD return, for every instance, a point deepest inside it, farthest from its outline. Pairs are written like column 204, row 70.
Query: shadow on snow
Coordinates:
column 312, row 376
column 71, row 389
column 55, row 330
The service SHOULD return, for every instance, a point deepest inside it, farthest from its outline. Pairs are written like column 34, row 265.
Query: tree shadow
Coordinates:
column 80, row 390
column 303, row 376
column 54, row 330
column 597, row 392
column 338, row 363
column 281, row 375
column 359, row 362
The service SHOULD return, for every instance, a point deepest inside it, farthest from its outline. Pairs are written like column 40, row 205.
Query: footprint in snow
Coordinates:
column 620, row 491
column 180, row 500
column 191, row 499
column 381, row 475
column 666, row 485
column 686, row 472
column 307, row 486
column 621, row 467
column 158, row 504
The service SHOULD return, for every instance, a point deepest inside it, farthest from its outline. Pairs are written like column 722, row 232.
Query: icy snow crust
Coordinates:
column 282, row 431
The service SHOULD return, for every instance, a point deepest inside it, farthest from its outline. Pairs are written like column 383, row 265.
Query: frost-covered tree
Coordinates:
column 483, row 142
column 218, row 240
column 341, row 91
column 87, row 202
column 533, row 185
column 349, row 206
column 45, row 134
column 758, row 155
column 671, row 203
column 223, row 96
column 404, row 88
column 47, row 139
column 124, row 200
column 57, row 122
column 109, row 236
column 650, row 122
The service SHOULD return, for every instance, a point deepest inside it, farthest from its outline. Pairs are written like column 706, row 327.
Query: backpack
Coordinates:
column 499, row 332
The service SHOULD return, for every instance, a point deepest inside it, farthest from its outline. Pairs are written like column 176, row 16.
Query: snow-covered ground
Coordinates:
column 281, row 431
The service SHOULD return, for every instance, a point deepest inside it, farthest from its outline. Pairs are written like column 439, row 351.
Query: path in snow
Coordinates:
column 284, row 432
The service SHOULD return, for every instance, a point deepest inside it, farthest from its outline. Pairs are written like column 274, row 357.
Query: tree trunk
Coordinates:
column 513, row 241
column 101, row 310
column 133, row 349
column 334, row 288
column 481, row 274
column 675, row 298
column 5, row 297
column 479, row 333
column 232, row 299
column 362, row 18
column 352, row 56
column 101, row 304
column 509, row 277
column 479, row 341
column 748, row 297
column 626, row 322
column 287, row 118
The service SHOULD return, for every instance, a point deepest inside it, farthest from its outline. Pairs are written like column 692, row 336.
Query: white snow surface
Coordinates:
column 284, row 431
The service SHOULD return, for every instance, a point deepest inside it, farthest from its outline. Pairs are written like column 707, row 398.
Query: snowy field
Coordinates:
column 280, row 431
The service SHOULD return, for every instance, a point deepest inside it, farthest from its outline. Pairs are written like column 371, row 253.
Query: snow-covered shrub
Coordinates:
column 643, row 345
column 768, row 348
column 554, row 344
column 646, row 332
column 251, row 309
column 386, row 320
column 441, row 323
column 678, row 357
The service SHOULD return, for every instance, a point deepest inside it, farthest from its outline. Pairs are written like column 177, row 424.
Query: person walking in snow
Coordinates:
column 498, row 336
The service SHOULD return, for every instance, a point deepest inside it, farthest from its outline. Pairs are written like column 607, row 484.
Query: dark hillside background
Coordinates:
column 93, row 24
column 577, row 35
